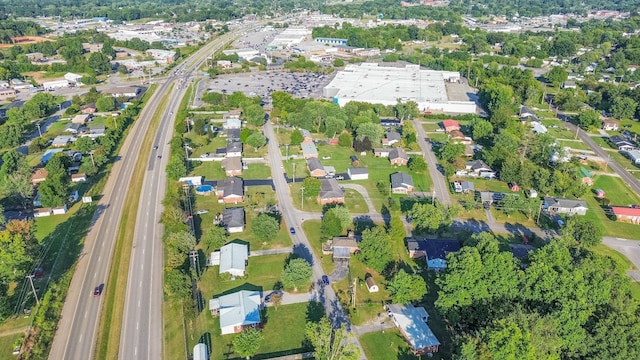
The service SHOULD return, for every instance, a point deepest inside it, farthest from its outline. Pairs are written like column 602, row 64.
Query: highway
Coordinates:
column 440, row 186
column 77, row 329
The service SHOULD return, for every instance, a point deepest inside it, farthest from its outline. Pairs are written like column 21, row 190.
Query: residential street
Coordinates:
column 440, row 186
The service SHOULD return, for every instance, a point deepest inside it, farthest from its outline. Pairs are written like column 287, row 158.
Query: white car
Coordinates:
column 202, row 212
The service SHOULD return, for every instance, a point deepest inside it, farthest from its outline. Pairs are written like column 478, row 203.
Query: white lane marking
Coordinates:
column 143, row 251
column 138, row 325
column 99, row 258
column 86, row 313
column 80, row 340
column 138, row 302
column 136, row 351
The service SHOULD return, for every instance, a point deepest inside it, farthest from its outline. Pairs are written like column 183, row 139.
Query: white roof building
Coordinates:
column 375, row 84
column 233, row 259
column 200, row 352
column 56, row 84
column 237, row 310
column 412, row 323
column 73, row 78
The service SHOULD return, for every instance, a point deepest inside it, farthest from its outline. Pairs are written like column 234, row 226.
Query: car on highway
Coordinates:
column 292, row 230
column 98, row 290
column 325, row 280
column 159, row 156
column 155, row 147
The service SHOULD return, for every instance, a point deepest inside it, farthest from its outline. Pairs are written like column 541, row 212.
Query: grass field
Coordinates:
column 431, row 126
column 387, row 345
column 616, row 190
column 578, row 145
column 603, row 143
column 353, row 200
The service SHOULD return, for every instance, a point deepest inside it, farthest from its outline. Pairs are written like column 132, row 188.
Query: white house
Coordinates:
column 359, row 173
column 73, row 78
column 233, row 259
column 238, row 310
column 55, row 84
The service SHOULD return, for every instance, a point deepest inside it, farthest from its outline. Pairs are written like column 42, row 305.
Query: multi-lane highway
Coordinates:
column 77, row 330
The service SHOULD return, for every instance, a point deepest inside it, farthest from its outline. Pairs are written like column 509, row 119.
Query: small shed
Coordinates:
column 371, row 285
column 60, row 210
column 533, row 193
column 514, row 187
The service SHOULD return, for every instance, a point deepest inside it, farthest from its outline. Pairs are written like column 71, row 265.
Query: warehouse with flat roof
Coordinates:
column 386, row 85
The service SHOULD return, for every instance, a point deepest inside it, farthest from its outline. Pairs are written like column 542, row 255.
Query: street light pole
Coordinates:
column 30, row 277
column 302, row 198
column 294, row 173
column 186, row 151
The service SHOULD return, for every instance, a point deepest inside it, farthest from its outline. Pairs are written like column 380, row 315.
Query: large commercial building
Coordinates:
column 375, row 84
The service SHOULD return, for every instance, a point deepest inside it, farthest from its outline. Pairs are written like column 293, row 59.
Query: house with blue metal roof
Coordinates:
column 412, row 323
column 233, row 259
column 237, row 311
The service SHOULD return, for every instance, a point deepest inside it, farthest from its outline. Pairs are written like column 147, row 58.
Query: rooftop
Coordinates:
column 412, row 322
column 233, row 217
column 233, row 256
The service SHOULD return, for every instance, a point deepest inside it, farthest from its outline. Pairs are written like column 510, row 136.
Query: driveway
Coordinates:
column 440, row 186
column 285, row 250
column 365, row 194
column 291, row 298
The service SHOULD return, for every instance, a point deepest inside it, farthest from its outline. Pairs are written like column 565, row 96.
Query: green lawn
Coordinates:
column 438, row 137
column 612, row 228
column 202, row 144
column 578, row 145
column 431, row 126
column 616, row 190
column 283, row 135
column 602, row 142
column 561, row 133
column 211, row 170
column 387, row 345
column 300, row 167
column 284, row 331
column 353, row 200
column 262, row 272
column 257, row 171
column 622, row 160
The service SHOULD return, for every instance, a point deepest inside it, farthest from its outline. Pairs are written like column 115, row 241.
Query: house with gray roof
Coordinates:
column 391, row 137
column 330, row 192
column 315, row 167
column 634, row 155
column 306, row 135
column 234, row 149
column 564, row 206
column 309, row 150
column 622, row 143
column 401, row 183
column 412, row 323
column 230, row 190
column 233, row 219
column 233, row 259
column 434, row 250
column 477, row 168
column 358, row 173
column 74, row 128
column 238, row 311
column 397, row 156
column 63, row 140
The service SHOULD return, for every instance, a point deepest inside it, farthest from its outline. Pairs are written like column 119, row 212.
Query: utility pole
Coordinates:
column 92, row 161
column 186, row 188
column 577, row 129
column 30, row 277
column 186, row 151
column 39, row 132
column 353, row 300
column 287, row 147
column 294, row 173
column 302, row 197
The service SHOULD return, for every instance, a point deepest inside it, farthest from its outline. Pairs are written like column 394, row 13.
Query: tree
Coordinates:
column 18, row 248
column 429, row 217
column 265, row 227
column 296, row 137
column 176, row 168
column 405, row 288
column 416, row 163
column 335, row 221
column 199, row 126
column 257, row 140
column 345, row 139
column 244, row 135
column 215, row 237
column 362, row 145
column 247, row 343
column 85, row 144
column 329, row 343
column 623, row 107
column 586, row 233
column 407, row 110
column 589, row 119
column 481, row 130
column 312, row 186
column 338, row 63
column 371, row 131
column 296, row 273
column 106, row 103
column 99, row 62
column 333, row 126
column 254, row 114
column 451, row 150
column 177, row 246
column 54, row 190
column 375, row 248
column 557, row 75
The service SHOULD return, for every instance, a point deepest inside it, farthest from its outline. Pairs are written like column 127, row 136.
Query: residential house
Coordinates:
column 401, row 183
column 238, row 311
column 60, row 210
column 342, row 246
column 81, row 119
column 463, row 187
column 41, row 212
column 390, row 122
column 232, row 135
column 63, row 140
column 124, row 91
column 330, row 170
column 622, row 143
column 450, row 125
column 233, row 219
column 458, row 136
column 381, row 152
column 306, row 135
column 358, row 173
column 78, row 178
column 230, row 190
column 391, row 137
column 95, row 131
column 72, row 78
column 34, row 56
column 89, row 109
column 634, row 155
column 74, row 128
column 7, row 93
column 315, row 167
column 232, row 114
column 39, row 176
column 489, row 197
column 610, row 125
column 92, row 47
column 309, row 150
column 538, row 128
column 234, row 149
column 371, row 284
column 569, row 85
column 233, row 259
column 435, row 251
column 232, row 123
column 397, row 156
column 232, row 166
column 564, row 206
column 330, row 192
column 412, row 323
column 627, row 213
column 477, row 168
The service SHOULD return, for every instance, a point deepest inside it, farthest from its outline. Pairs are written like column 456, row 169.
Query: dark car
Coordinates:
column 292, row 230
column 155, row 147
column 159, row 156
column 98, row 290
column 325, row 279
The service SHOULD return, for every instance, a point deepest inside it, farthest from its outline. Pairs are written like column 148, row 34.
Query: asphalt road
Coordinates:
column 597, row 149
column 77, row 329
column 301, row 246
column 440, row 187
